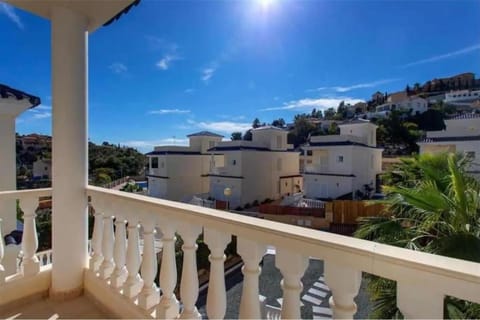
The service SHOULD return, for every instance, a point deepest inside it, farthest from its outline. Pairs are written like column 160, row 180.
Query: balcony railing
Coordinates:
column 121, row 275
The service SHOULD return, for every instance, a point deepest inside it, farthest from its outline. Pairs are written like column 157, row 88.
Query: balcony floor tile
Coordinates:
column 79, row 308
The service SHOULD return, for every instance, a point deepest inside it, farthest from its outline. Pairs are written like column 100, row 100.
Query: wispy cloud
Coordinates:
column 341, row 89
column 158, row 43
column 9, row 11
column 189, row 91
column 41, row 112
column 207, row 73
column 118, row 67
column 444, row 56
column 318, row 103
column 147, row 145
column 166, row 61
column 169, row 111
column 220, row 126
column 232, row 118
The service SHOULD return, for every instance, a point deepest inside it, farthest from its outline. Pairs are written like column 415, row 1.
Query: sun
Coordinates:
column 266, row 4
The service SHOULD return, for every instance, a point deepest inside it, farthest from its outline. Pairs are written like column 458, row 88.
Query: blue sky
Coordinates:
column 169, row 68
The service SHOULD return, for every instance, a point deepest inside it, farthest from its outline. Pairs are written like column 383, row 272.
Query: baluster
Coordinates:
column 168, row 307
column 217, row 297
column 134, row 283
column 30, row 263
column 252, row 253
column 344, row 282
column 292, row 265
column 149, row 296
column 106, row 268
column 419, row 301
column 189, row 282
column 96, row 243
column 3, row 274
column 120, row 272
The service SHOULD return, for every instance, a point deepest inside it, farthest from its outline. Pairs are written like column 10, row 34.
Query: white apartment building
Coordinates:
column 178, row 172
column 265, row 167
column 42, row 168
column 462, row 96
column 415, row 104
column 336, row 165
column 462, row 134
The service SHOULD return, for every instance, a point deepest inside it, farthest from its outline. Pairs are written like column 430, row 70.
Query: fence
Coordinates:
column 348, row 211
column 295, row 211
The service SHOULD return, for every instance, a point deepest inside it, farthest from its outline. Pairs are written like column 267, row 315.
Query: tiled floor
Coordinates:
column 79, row 308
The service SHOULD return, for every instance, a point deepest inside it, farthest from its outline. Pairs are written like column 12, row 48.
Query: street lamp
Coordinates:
column 227, row 192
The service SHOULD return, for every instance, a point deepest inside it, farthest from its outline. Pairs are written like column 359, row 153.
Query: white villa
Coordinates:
column 256, row 170
column 116, row 277
column 178, row 172
column 414, row 104
column 42, row 168
column 336, row 165
column 462, row 134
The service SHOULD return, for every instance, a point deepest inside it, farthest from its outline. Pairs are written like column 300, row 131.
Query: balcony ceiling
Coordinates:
column 98, row 12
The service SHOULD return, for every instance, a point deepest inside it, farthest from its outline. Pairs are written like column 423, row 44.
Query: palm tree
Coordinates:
column 434, row 206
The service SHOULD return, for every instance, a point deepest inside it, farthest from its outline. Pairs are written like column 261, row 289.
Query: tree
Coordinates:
column 256, row 123
column 280, row 123
column 248, row 135
column 303, row 128
column 333, row 129
column 236, row 136
column 329, row 113
column 433, row 206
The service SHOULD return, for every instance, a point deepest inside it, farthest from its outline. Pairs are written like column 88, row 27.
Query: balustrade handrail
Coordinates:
column 19, row 194
column 379, row 259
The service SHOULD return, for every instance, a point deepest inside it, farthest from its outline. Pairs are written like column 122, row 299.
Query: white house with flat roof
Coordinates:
column 462, row 134
column 336, row 165
column 42, row 168
column 178, row 172
column 265, row 167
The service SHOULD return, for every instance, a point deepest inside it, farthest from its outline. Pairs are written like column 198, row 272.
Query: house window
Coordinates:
column 279, row 164
column 309, row 153
column 309, row 161
column 470, row 154
column 234, row 162
column 154, row 162
column 340, row 159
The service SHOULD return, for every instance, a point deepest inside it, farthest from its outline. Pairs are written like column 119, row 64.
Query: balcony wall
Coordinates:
column 121, row 272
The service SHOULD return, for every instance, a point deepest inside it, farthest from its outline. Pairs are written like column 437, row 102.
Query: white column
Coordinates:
column 97, row 237
column 217, row 296
column 134, row 283
column 30, row 263
column 119, row 253
column 70, row 153
column 292, row 265
column 149, row 296
column 189, row 281
column 168, row 307
column 344, row 282
column 251, row 253
column 8, row 172
column 419, row 301
column 106, row 268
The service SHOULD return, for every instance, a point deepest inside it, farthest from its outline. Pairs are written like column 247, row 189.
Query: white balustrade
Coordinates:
column 120, row 272
column 189, row 281
column 251, row 253
column 217, row 241
column 133, row 284
column 44, row 257
column 292, row 265
column 344, row 261
column 97, row 239
column 30, row 264
column 168, row 307
column 106, row 268
column 149, row 296
column 344, row 282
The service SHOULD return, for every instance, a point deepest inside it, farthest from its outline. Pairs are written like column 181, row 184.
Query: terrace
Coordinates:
column 118, row 278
